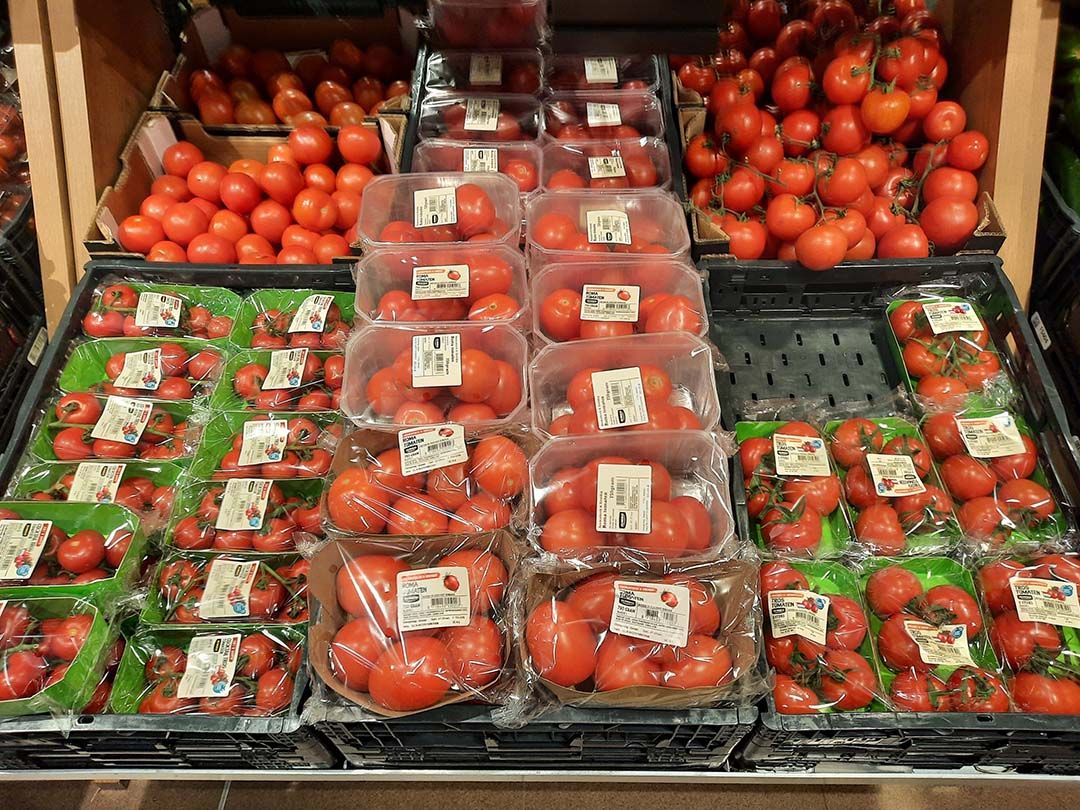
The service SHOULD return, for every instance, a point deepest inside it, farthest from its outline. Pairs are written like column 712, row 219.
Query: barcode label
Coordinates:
column 243, row 504
column 227, row 593
column 141, row 370
column 894, row 476
column 610, row 302
column 434, row 206
column 485, row 68
column 433, row 597
column 480, row 159
column 431, row 447
column 95, row 483
column 158, row 310
column 211, row 665
column 41, row 340
column 800, row 455
column 940, row 645
column 608, row 227
column 799, row 613
column 264, row 440
column 436, row 360
column 624, row 498
column 601, row 70
column 653, row 611
column 1046, row 600
column 619, row 397
column 481, row 114
column 311, row 314
column 450, row 281
column 991, row 436
column 21, row 545
column 1036, row 324
column 602, row 115
column 286, row 369
column 123, row 420
column 952, row 316
column 606, row 166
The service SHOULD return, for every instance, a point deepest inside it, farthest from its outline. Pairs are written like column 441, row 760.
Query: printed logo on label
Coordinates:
column 434, row 206
column 1046, row 600
column 433, row 597
column 952, row 316
column 450, row 281
column 653, row 611
column 436, row 360
column 123, row 420
column 481, row 114
column 480, row 159
column 96, row 483
column 991, row 436
column 800, row 455
column 619, row 397
column 601, row 70
column 140, row 370
column 21, row 545
column 211, row 665
column 602, row 115
column 264, row 440
column 431, row 447
column 311, row 314
column 286, row 369
column 227, row 593
column 485, row 68
column 606, row 166
column 944, row 645
column 158, row 310
column 607, row 227
column 799, row 613
column 243, row 504
column 894, row 476
column 624, row 498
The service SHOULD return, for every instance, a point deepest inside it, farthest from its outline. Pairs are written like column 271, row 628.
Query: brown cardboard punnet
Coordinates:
column 420, row 552
column 735, row 588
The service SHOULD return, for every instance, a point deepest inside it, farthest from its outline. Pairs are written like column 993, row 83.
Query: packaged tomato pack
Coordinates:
column 574, row 225
column 606, row 165
column 510, row 71
column 427, row 480
column 401, row 627
column 439, row 207
column 581, row 300
column 659, row 495
column 234, row 671
column 319, row 320
column 945, row 352
column 518, row 160
column 488, row 23
column 480, row 116
column 989, row 463
column 601, row 115
column 145, row 368
column 933, row 652
column 622, row 384
column 817, row 638
column 246, row 515
column 302, row 380
column 583, row 72
column 1034, row 628
column 54, row 653
column 134, row 309
column 443, row 284
column 659, row 637
column 277, row 445
column 892, row 490
column 199, row 588
column 400, row 375
column 793, row 494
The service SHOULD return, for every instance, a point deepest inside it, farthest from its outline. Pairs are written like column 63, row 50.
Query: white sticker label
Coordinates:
column 606, row 166
column 96, row 483
column 619, row 397
column 940, row 645
column 799, row 613
column 608, row 227
column 431, row 447
column 991, row 436
column 1046, row 600
column 952, row 316
column 624, row 498
column 158, row 309
column 800, row 455
column 211, row 665
column 653, row 611
column 1040, row 331
column 264, row 440
column 481, row 114
column 311, row 315
column 485, row 68
column 434, row 206
column 286, row 369
column 610, row 302
column 436, row 360
column 602, row 115
column 227, row 592
column 140, row 370
column 894, row 476
column 601, row 70
column 243, row 505
column 450, row 281
column 433, row 597
column 122, row 420
column 480, row 159
column 41, row 340
column 21, row 544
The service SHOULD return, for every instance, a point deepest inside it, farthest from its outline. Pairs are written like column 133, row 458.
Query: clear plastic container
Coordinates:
column 584, row 226
column 440, row 284
column 417, row 209
column 382, row 391
column 489, row 117
column 603, row 115
column 582, row 72
column 488, row 23
column 607, row 165
column 566, row 480
column 508, row 72
column 521, row 161
column 664, row 382
column 625, row 296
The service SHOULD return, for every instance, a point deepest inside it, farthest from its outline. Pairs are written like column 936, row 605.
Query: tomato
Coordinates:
column 359, row 144
column 474, row 652
column 81, row 552
column 912, row 448
column 982, row 519
column 853, row 439
column 945, row 121
column 1026, row 502
column 570, row 532
column 561, row 643
column 676, row 313
column 967, row 477
column 951, row 604
column 976, row 690
column 924, row 511
column 697, row 519
column 994, row 584
column 140, row 233
column 780, row 576
column 739, row 125
column 940, row 390
column 741, row 190
column 949, row 222
column 354, row 650
column 799, row 133
column 915, row 691
column 821, row 493
column 667, row 535
column 411, row 675
column 891, row 590
column 847, row 624
column 746, row 238
column 792, row 84
column 896, row 646
column 623, row 662
column 846, row 79
column 1035, row 692
column 703, row 662
column 1018, row 642
column 792, row 698
column 790, row 527
column 821, row 247
column 560, row 315
column 703, row 158
column 943, row 436
column 179, row 158
column 847, row 681
column 787, row 217
column 883, row 111
column 697, row 77
column 968, row 151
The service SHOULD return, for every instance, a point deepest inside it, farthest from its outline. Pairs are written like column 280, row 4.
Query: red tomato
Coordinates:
column 411, row 675
column 891, row 590
column 561, row 643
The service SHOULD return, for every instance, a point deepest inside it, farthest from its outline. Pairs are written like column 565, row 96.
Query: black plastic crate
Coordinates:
column 1060, row 342
column 464, row 736
column 1055, row 281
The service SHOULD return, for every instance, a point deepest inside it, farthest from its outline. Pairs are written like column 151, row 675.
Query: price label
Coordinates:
column 96, row 483
column 485, row 68
column 481, row 114
column 41, row 340
column 1046, row 600
column 652, row 611
column 952, row 316
column 211, row 665
column 264, row 440
column 991, row 436
column 607, row 227
column 450, row 281
column 624, row 498
column 433, row 597
column 21, row 545
column 601, row 70
column 480, row 159
column 311, row 314
column 434, row 206
column 602, row 115
column 940, row 645
column 610, row 302
column 123, row 420
column 799, row 613
column 800, row 455
column 436, row 360
column 158, row 310
column 286, row 369
column 619, row 397
column 140, row 370
column 243, row 505
column 1037, row 326
column 894, row 476
column 227, row 592
column 606, row 166
column 431, row 447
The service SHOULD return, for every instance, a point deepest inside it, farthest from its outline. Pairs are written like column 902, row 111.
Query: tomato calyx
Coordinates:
column 785, row 514
column 975, row 686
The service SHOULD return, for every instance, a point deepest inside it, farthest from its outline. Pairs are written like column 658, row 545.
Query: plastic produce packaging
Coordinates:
column 426, row 480
column 145, row 368
column 439, row 207
column 488, row 23
column 520, row 71
column 642, row 496
column 246, row 515
column 629, row 636
column 793, row 495
column 191, row 588
column 280, row 319
column 603, row 115
column 402, row 628
column 134, row 309
column 303, row 380
column 400, row 375
column 638, row 382
column 235, row 671
column 269, row 445
column 436, row 284
column 891, row 486
column 606, row 165
column 518, row 160
column 575, row 300
column 490, row 117
column 626, row 72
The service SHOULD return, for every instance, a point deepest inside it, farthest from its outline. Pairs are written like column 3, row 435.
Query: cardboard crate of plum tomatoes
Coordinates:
column 884, row 165
column 237, row 74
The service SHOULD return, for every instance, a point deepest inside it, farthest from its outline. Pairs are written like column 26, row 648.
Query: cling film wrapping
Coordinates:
column 123, row 308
